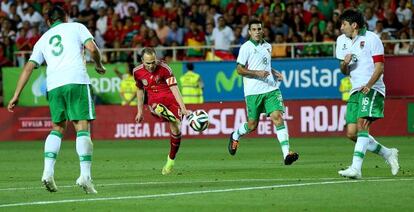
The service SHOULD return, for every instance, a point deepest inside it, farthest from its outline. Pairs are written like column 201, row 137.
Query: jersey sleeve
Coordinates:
column 37, row 55
column 377, row 49
column 84, row 34
column 340, row 54
column 138, row 82
column 168, row 75
column 243, row 55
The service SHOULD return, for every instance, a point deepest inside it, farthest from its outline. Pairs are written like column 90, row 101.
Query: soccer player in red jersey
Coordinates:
column 163, row 98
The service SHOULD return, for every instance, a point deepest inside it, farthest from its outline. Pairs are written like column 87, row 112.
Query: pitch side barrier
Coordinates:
column 303, row 79
column 303, row 118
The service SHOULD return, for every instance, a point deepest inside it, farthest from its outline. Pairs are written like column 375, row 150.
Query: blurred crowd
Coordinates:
column 222, row 23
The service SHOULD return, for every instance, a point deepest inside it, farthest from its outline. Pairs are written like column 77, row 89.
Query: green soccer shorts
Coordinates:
column 264, row 103
column 71, row 102
column 369, row 106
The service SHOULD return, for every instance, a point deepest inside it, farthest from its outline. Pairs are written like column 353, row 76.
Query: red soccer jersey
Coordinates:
column 156, row 84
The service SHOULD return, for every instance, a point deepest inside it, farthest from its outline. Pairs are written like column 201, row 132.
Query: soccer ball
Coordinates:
column 198, row 120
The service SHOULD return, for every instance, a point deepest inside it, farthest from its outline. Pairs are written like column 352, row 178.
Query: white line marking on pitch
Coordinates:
column 198, row 192
column 184, row 182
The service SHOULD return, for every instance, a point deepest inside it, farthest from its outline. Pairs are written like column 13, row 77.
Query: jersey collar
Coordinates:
column 55, row 24
column 362, row 31
column 255, row 43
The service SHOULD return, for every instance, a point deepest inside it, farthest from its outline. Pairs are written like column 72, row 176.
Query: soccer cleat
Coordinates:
column 163, row 111
column 291, row 157
column 168, row 167
column 233, row 145
column 86, row 184
column 49, row 184
column 392, row 160
column 350, row 172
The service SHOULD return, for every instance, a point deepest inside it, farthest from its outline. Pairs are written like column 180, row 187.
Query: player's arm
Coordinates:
column 278, row 75
column 243, row 71
column 24, row 77
column 140, row 105
column 91, row 46
column 172, row 83
column 344, row 65
column 378, row 71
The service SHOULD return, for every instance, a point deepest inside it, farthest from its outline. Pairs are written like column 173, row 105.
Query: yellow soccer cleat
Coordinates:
column 168, row 167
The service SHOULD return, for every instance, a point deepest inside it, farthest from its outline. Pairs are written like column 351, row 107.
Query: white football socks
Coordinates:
column 283, row 137
column 51, row 150
column 360, row 150
column 377, row 148
column 84, row 148
column 243, row 130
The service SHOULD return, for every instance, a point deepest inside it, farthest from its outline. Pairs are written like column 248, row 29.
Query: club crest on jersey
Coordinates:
column 344, row 47
column 157, row 79
column 268, row 50
column 362, row 44
column 144, row 82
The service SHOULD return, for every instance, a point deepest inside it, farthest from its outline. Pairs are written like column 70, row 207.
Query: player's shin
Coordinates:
column 51, row 150
column 175, row 141
column 283, row 137
column 360, row 149
column 84, row 148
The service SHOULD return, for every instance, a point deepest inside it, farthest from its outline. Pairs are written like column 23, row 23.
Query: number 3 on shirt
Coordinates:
column 56, row 42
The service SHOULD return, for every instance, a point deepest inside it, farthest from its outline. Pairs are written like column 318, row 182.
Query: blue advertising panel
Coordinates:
column 303, row 79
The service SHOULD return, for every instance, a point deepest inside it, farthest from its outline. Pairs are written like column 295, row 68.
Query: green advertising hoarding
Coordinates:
column 105, row 87
column 410, row 118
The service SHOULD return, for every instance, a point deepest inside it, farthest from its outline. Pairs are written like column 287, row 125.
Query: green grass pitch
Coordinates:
column 127, row 175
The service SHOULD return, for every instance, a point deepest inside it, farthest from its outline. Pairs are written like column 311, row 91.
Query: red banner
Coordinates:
column 399, row 75
column 303, row 118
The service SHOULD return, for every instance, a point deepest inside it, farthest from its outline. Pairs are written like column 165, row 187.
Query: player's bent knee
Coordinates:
column 352, row 136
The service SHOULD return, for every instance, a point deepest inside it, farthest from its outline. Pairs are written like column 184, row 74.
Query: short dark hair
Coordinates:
column 254, row 21
column 190, row 66
column 57, row 13
column 353, row 16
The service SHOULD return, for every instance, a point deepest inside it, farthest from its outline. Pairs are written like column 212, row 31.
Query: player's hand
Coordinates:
column 262, row 74
column 139, row 117
column 277, row 74
column 12, row 104
column 100, row 69
column 347, row 59
column 365, row 89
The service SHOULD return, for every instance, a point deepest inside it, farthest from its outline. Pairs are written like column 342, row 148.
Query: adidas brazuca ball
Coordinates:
column 198, row 120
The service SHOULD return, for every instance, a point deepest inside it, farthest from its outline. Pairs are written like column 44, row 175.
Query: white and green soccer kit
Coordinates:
column 366, row 50
column 68, row 83
column 262, row 95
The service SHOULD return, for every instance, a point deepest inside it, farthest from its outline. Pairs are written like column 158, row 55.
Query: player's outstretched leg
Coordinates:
column 84, row 148
column 163, row 111
column 51, row 150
